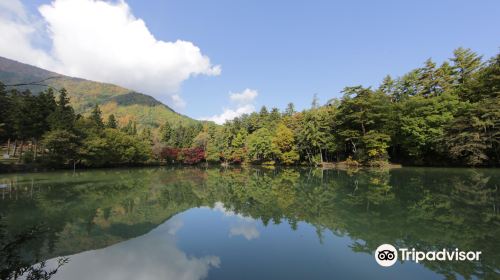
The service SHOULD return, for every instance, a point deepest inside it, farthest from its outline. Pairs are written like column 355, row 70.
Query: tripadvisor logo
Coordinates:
column 387, row 255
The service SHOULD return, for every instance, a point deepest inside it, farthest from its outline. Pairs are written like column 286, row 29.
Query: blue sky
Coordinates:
column 290, row 50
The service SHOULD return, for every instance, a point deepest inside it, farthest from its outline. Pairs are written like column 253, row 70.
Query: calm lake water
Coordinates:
column 190, row 223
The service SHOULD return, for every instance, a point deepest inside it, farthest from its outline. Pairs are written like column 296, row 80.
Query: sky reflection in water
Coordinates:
column 189, row 223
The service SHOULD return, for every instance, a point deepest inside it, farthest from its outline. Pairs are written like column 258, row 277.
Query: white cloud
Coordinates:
column 103, row 41
column 17, row 31
column 249, row 231
column 12, row 7
column 230, row 114
column 220, row 207
column 244, row 105
column 246, row 225
column 245, row 97
column 154, row 255
column 174, row 225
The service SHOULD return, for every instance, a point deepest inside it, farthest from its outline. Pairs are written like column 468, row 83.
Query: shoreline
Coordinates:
column 30, row 168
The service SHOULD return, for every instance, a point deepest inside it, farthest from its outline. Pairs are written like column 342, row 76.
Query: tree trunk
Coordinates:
column 8, row 147
column 15, row 148
column 21, row 151
column 36, row 149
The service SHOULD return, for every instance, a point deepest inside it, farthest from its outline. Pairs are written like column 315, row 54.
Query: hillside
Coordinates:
column 125, row 104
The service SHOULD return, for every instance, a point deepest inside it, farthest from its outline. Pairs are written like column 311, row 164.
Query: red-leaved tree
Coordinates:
column 186, row 155
column 192, row 155
column 170, row 154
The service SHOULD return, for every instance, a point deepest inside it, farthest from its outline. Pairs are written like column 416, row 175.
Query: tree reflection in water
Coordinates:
column 14, row 263
column 420, row 208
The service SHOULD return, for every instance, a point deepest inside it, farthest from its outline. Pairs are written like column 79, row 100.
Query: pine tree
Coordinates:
column 112, row 123
column 63, row 116
column 166, row 132
column 465, row 65
column 387, row 86
column 315, row 102
column 427, row 79
column 290, row 109
column 263, row 113
column 444, row 78
column 467, row 138
column 96, row 117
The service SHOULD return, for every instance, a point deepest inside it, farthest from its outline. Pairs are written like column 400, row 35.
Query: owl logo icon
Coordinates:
column 386, row 255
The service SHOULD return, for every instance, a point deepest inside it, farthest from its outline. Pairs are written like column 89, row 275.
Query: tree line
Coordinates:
column 447, row 114
column 57, row 136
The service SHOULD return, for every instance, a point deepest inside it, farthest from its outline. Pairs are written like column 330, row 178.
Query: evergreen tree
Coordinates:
column 315, row 102
column 467, row 138
column 428, row 80
column 444, row 78
column 465, row 64
column 96, row 117
column 112, row 123
column 130, row 128
column 263, row 113
column 290, row 109
column 166, row 132
column 63, row 117
column 387, row 86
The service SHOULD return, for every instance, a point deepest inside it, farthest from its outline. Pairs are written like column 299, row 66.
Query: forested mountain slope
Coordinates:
column 127, row 105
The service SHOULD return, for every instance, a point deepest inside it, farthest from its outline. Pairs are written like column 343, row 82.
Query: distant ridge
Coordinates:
column 127, row 105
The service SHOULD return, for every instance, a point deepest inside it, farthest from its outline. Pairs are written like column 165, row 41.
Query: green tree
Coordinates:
column 212, row 153
column 111, row 123
column 315, row 102
column 114, row 147
column 96, row 117
column 466, row 138
column 238, row 149
column 283, row 144
column 406, row 86
column 63, row 117
column 387, row 86
column 201, row 140
column 259, row 145
column 290, row 109
column 62, row 146
column 422, row 122
column 465, row 64
column 428, row 80
column 274, row 117
column 361, row 111
column 166, row 132
column 376, row 145
column 130, row 128
column 444, row 78
column 5, row 117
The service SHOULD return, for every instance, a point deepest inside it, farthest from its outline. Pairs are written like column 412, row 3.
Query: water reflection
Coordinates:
column 247, row 230
column 152, row 256
column 120, row 215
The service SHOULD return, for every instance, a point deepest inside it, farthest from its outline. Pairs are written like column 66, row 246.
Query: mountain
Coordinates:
column 124, row 103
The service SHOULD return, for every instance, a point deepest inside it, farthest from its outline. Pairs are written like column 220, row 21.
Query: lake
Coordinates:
column 195, row 223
